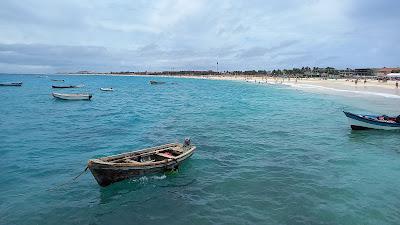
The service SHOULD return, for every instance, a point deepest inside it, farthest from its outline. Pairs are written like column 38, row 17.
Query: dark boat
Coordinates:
column 64, row 86
column 156, row 82
column 111, row 169
column 363, row 122
column 15, row 84
column 57, row 80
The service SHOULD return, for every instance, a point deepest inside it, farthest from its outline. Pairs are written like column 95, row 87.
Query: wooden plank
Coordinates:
column 136, row 154
column 166, row 155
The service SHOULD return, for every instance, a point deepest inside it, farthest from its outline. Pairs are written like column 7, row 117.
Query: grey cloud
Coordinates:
column 72, row 58
column 261, row 51
column 56, row 57
column 125, row 35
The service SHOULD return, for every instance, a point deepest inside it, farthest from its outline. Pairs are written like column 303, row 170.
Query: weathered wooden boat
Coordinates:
column 156, row 82
column 363, row 122
column 15, row 84
column 107, row 89
column 65, row 86
column 72, row 96
column 111, row 169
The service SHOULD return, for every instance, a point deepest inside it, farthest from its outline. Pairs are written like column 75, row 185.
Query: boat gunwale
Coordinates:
column 64, row 86
column 101, row 162
column 11, row 84
column 370, row 120
column 72, row 94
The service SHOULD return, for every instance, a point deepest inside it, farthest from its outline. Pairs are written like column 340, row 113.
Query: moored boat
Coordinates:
column 16, row 84
column 72, row 96
column 111, row 169
column 363, row 122
column 65, row 86
column 57, row 80
column 156, row 82
column 106, row 89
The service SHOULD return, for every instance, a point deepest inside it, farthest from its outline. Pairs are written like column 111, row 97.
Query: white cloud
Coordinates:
column 168, row 13
column 240, row 34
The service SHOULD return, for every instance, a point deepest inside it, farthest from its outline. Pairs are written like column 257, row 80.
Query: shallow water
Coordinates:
column 266, row 154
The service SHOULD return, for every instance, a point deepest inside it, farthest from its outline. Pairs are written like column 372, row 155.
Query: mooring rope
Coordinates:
column 70, row 181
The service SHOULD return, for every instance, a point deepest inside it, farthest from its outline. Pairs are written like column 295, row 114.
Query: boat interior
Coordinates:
column 384, row 118
column 152, row 155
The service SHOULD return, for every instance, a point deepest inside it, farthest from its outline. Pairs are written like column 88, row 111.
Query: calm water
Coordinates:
column 266, row 155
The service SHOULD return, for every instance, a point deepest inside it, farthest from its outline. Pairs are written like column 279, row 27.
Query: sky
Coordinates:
column 47, row 36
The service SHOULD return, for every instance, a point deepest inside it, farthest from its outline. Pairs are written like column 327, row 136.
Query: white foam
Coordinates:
column 162, row 177
column 312, row 86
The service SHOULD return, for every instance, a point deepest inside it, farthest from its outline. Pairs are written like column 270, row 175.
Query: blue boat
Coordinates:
column 363, row 122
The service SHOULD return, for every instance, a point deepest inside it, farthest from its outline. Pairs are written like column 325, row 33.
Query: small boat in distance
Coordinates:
column 107, row 89
column 15, row 84
column 111, row 169
column 57, row 80
column 72, row 96
column 363, row 122
column 156, row 82
column 65, row 86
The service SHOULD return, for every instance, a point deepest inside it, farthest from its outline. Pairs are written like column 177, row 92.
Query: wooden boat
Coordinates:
column 156, row 82
column 72, row 96
column 16, row 84
column 65, row 86
column 363, row 122
column 111, row 169
column 107, row 89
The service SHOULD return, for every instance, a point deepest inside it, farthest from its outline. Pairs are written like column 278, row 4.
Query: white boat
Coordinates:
column 72, row 96
column 363, row 122
column 107, row 89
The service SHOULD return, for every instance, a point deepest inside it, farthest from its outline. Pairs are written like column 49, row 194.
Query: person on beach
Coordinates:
column 397, row 84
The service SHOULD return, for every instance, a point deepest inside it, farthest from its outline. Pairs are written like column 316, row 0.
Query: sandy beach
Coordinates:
column 330, row 86
column 340, row 86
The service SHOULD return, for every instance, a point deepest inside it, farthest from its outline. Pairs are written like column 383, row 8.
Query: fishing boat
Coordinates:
column 16, row 84
column 72, row 96
column 107, row 89
column 111, row 169
column 156, row 82
column 65, row 86
column 57, row 80
column 363, row 122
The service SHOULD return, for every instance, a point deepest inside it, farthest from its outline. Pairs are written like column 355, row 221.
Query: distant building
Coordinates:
column 346, row 73
column 364, row 72
column 385, row 71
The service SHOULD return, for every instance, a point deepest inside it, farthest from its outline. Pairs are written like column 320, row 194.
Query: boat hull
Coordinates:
column 358, row 122
column 106, row 174
column 72, row 97
column 12, row 84
column 60, row 87
column 106, row 89
column 156, row 82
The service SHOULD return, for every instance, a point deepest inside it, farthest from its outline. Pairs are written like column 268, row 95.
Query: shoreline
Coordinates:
column 341, row 86
column 384, row 89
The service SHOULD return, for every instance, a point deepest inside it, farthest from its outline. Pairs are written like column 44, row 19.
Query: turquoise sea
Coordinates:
column 267, row 154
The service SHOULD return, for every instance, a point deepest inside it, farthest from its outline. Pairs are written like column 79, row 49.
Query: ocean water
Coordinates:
column 266, row 154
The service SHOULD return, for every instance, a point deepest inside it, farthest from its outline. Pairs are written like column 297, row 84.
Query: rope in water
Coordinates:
column 70, row 181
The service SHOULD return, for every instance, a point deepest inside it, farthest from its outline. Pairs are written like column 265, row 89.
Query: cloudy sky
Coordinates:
column 118, row 35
